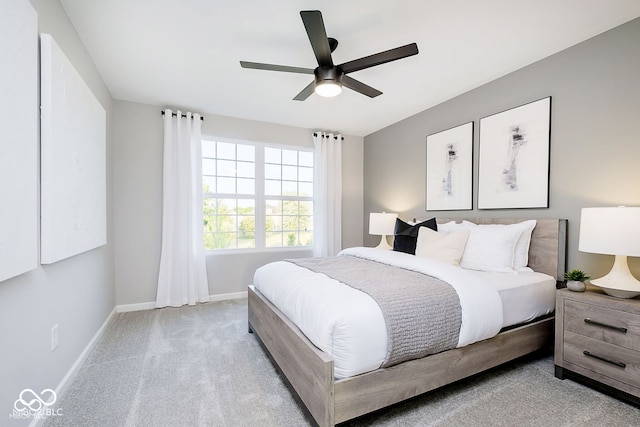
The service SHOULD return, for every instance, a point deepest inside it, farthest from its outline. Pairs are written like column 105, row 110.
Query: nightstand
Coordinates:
column 598, row 341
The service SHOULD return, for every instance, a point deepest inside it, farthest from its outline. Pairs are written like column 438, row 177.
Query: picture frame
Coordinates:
column 449, row 174
column 513, row 167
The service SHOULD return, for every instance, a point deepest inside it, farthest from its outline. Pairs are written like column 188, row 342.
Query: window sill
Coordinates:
column 258, row 251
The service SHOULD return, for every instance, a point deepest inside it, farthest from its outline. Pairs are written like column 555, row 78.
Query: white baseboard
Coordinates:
column 79, row 361
column 135, row 307
column 150, row 305
column 233, row 295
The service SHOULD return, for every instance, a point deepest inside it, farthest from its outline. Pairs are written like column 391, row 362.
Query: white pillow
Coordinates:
column 521, row 251
column 490, row 247
column 521, row 254
column 443, row 247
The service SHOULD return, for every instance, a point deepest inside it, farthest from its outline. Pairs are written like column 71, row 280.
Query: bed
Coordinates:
column 333, row 394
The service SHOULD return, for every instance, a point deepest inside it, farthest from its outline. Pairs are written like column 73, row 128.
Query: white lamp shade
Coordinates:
column 382, row 224
column 611, row 231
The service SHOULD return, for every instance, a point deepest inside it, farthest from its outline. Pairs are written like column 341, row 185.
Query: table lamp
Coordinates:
column 382, row 224
column 613, row 231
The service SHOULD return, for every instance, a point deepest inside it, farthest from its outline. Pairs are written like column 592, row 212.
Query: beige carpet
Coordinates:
column 198, row 366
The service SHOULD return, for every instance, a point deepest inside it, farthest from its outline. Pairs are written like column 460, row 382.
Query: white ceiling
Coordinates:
column 185, row 54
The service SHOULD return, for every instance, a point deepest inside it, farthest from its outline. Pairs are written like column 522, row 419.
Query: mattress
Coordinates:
column 525, row 295
column 348, row 325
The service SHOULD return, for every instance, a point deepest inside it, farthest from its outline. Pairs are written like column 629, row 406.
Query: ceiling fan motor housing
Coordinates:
column 332, row 74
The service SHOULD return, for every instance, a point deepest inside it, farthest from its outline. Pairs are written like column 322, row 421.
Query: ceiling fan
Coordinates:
column 330, row 78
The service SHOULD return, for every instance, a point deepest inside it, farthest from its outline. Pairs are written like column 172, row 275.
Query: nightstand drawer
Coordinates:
column 604, row 324
column 615, row 362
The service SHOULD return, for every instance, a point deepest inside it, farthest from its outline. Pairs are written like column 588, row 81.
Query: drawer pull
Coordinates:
column 605, row 325
column 604, row 359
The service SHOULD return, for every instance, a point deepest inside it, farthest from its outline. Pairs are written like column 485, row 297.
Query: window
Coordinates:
column 256, row 196
column 288, row 191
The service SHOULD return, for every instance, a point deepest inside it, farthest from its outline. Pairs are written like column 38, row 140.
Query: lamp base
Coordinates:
column 618, row 293
column 384, row 244
column 619, row 282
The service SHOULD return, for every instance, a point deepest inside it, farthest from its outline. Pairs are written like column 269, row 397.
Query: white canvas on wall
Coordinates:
column 19, row 138
column 73, row 160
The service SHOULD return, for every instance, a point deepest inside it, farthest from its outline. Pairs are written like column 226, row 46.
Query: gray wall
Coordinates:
column 595, row 141
column 137, row 183
column 77, row 294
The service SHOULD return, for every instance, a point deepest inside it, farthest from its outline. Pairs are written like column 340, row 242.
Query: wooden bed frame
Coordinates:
column 309, row 371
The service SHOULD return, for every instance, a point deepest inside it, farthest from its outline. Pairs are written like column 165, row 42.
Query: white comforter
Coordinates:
column 348, row 324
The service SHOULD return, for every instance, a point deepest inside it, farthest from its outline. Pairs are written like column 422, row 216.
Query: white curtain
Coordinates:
column 328, row 194
column 182, row 278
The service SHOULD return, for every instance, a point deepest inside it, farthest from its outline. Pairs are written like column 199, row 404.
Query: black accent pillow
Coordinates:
column 406, row 235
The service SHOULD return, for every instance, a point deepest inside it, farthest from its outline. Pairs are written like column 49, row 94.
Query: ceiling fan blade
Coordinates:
column 314, row 25
column 306, row 92
column 272, row 67
column 358, row 86
column 380, row 58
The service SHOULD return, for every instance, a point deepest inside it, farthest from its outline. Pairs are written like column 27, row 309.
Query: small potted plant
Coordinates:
column 575, row 280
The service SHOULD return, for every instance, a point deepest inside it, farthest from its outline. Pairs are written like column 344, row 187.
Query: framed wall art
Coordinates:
column 449, row 169
column 514, row 157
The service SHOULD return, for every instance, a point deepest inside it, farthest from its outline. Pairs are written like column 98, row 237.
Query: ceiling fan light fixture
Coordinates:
column 328, row 88
column 328, row 81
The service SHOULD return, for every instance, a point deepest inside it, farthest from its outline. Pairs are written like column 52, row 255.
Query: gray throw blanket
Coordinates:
column 422, row 313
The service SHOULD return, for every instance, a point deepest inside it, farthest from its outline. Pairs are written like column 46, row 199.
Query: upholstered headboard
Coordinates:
column 547, row 251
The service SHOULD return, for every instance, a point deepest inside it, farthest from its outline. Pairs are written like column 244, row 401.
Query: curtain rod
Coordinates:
column 335, row 137
column 184, row 116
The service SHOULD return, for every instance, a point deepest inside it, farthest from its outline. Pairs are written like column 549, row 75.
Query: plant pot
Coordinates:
column 576, row 286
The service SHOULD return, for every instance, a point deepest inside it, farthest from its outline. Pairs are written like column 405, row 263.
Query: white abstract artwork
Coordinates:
column 73, row 160
column 449, row 169
column 19, row 140
column 514, row 157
